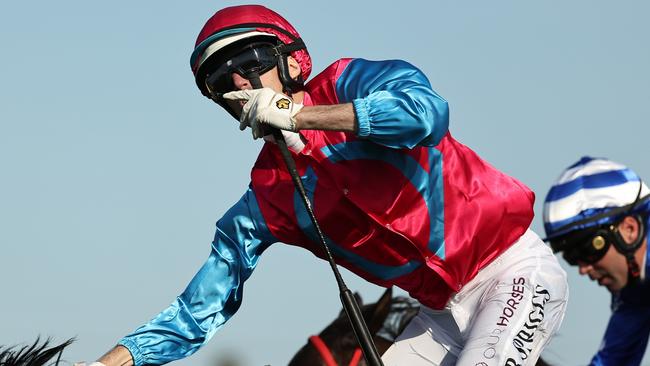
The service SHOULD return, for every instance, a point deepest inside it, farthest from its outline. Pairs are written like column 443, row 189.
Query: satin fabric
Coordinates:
column 234, row 19
column 213, row 295
column 400, row 202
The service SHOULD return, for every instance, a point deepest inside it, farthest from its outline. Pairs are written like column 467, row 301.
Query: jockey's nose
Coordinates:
column 584, row 268
column 240, row 82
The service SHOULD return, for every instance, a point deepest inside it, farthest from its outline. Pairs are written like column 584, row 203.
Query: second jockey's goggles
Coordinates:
column 586, row 246
column 251, row 62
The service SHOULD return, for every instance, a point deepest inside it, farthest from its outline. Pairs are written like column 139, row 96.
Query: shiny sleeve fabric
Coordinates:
column 213, row 295
column 394, row 103
column 626, row 337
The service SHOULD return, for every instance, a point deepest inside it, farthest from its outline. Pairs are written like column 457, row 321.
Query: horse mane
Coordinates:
column 32, row 355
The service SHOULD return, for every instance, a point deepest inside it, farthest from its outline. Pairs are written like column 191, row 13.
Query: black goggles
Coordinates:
column 584, row 246
column 248, row 63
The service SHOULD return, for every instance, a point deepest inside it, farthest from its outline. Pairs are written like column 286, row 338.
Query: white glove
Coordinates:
column 83, row 363
column 293, row 140
column 265, row 107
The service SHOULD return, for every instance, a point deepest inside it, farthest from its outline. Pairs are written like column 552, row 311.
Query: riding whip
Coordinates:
column 347, row 298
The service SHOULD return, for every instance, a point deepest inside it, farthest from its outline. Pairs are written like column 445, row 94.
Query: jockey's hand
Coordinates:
column 293, row 139
column 265, row 107
column 83, row 363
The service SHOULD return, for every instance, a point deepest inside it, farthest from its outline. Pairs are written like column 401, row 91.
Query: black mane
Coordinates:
column 32, row 355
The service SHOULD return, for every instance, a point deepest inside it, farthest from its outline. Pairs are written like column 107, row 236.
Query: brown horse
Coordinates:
column 337, row 345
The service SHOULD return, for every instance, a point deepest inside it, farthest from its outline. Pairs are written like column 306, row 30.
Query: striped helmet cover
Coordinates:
column 587, row 188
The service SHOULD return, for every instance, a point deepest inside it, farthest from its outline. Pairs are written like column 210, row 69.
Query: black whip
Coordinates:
column 350, row 304
column 347, row 298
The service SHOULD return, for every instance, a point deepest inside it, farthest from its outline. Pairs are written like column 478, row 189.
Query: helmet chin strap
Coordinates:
column 254, row 79
column 629, row 249
column 256, row 83
column 288, row 89
column 633, row 272
column 289, row 84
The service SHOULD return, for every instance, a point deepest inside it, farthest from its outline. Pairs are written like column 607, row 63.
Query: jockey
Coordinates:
column 596, row 215
column 400, row 201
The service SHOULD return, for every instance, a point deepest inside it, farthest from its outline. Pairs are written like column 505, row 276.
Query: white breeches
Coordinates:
column 503, row 316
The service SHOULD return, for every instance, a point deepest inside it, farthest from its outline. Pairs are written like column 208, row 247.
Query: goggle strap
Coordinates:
column 291, row 47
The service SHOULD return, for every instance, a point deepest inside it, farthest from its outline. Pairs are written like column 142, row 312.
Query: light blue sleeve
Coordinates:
column 626, row 337
column 213, row 295
column 394, row 103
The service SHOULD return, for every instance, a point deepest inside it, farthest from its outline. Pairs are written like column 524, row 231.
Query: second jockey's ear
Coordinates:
column 294, row 67
column 629, row 229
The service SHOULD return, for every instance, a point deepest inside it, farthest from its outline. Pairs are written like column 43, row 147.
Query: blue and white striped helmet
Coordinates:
column 590, row 188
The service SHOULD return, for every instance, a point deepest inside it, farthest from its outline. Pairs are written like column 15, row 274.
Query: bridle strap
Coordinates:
column 323, row 350
column 356, row 357
column 327, row 356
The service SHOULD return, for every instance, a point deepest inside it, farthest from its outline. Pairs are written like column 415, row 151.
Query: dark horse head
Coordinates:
column 337, row 344
column 35, row 355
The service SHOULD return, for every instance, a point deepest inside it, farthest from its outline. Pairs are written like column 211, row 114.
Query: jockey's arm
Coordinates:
column 338, row 117
column 211, row 297
column 118, row 356
column 396, row 107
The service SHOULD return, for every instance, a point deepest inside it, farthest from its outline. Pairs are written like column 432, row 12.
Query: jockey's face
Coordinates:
column 612, row 271
column 269, row 79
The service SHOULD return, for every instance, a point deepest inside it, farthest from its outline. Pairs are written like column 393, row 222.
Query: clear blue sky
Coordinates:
column 114, row 168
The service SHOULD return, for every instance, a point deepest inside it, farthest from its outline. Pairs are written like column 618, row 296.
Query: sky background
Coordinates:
column 114, row 169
